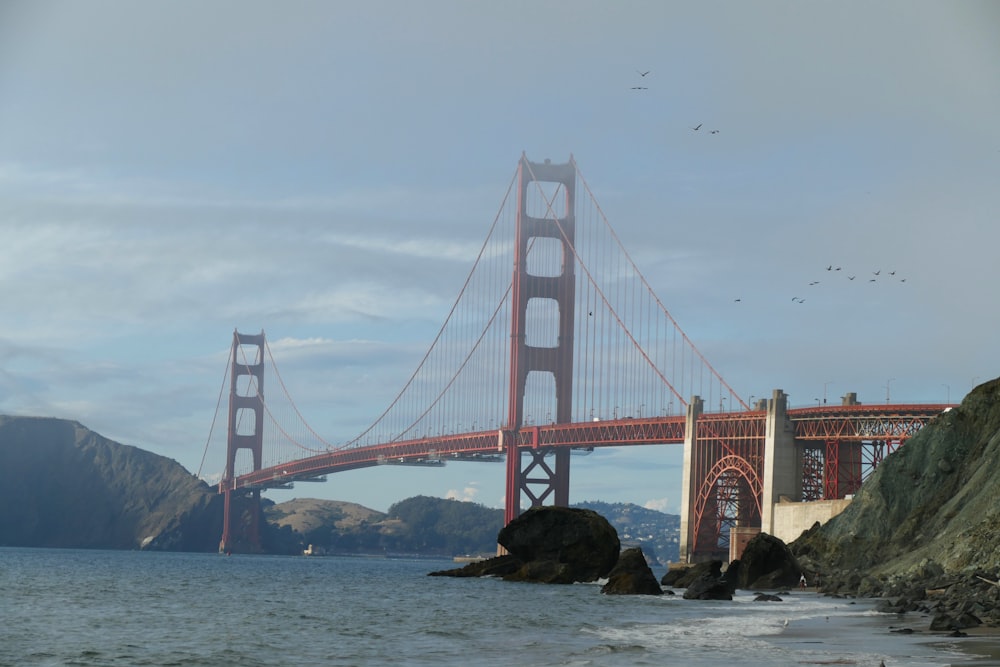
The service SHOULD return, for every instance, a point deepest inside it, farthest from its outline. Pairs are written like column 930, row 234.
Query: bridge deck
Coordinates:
column 818, row 424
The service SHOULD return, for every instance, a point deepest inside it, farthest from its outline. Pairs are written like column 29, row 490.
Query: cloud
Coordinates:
column 658, row 504
column 152, row 200
column 468, row 494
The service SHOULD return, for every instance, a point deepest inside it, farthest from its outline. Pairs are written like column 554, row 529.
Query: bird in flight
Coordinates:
column 714, row 132
column 877, row 272
column 698, row 127
column 639, row 88
column 815, row 282
column 737, row 300
column 851, row 277
column 642, row 73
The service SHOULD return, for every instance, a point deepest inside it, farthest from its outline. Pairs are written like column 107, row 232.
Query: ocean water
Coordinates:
column 90, row 608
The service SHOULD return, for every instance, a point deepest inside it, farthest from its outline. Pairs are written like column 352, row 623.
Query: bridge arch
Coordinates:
column 730, row 493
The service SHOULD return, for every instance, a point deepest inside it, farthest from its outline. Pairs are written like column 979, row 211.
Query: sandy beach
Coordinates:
column 897, row 639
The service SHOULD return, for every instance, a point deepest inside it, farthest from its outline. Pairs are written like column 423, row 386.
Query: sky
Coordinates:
column 326, row 172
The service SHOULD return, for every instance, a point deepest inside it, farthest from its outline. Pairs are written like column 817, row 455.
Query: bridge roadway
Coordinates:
column 892, row 423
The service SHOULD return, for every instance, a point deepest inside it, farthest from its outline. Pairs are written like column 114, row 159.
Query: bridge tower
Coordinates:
column 241, row 517
column 537, row 479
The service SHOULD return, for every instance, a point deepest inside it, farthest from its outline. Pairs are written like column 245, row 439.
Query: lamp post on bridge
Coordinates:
column 825, row 385
column 948, row 388
column 817, row 402
column 887, row 385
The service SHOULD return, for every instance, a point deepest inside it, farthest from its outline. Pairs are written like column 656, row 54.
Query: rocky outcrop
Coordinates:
column 500, row 566
column 925, row 520
column 767, row 563
column 62, row 485
column 557, row 545
column 711, row 585
column 631, row 575
column 681, row 576
column 580, row 538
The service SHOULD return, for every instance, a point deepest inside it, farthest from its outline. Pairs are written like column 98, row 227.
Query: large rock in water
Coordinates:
column 767, row 562
column 632, row 576
column 554, row 545
column 579, row 538
column 711, row 585
column 681, row 575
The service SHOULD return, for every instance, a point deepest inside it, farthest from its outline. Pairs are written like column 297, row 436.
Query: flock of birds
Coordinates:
column 643, row 75
column 830, row 268
column 876, row 275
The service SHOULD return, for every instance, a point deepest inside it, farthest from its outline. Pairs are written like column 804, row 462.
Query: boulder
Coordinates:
column 960, row 621
column 557, row 545
column 499, row 566
column 632, row 576
column 681, row 576
column 580, row 537
column 768, row 563
column 731, row 577
column 710, row 586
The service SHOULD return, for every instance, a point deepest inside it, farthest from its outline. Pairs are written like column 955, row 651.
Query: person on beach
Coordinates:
column 802, row 580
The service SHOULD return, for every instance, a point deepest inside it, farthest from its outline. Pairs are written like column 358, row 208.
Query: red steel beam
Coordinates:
column 826, row 424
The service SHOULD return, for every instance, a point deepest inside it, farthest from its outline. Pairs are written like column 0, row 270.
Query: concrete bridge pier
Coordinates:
column 688, row 492
column 778, row 467
column 782, row 462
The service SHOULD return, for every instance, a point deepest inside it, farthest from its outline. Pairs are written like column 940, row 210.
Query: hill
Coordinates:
column 435, row 526
column 927, row 515
column 62, row 485
column 308, row 515
column 417, row 526
column 656, row 532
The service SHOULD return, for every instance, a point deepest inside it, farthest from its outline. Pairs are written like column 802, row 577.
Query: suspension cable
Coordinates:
column 649, row 289
column 218, row 403
column 292, row 402
column 604, row 298
column 440, row 332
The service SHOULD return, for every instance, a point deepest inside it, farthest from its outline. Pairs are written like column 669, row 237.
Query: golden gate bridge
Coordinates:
column 571, row 350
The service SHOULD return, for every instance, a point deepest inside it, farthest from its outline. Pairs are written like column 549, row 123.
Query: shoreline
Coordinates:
column 891, row 636
column 980, row 646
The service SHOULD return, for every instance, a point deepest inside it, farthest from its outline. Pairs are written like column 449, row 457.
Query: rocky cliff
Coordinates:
column 62, row 485
column 928, row 515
